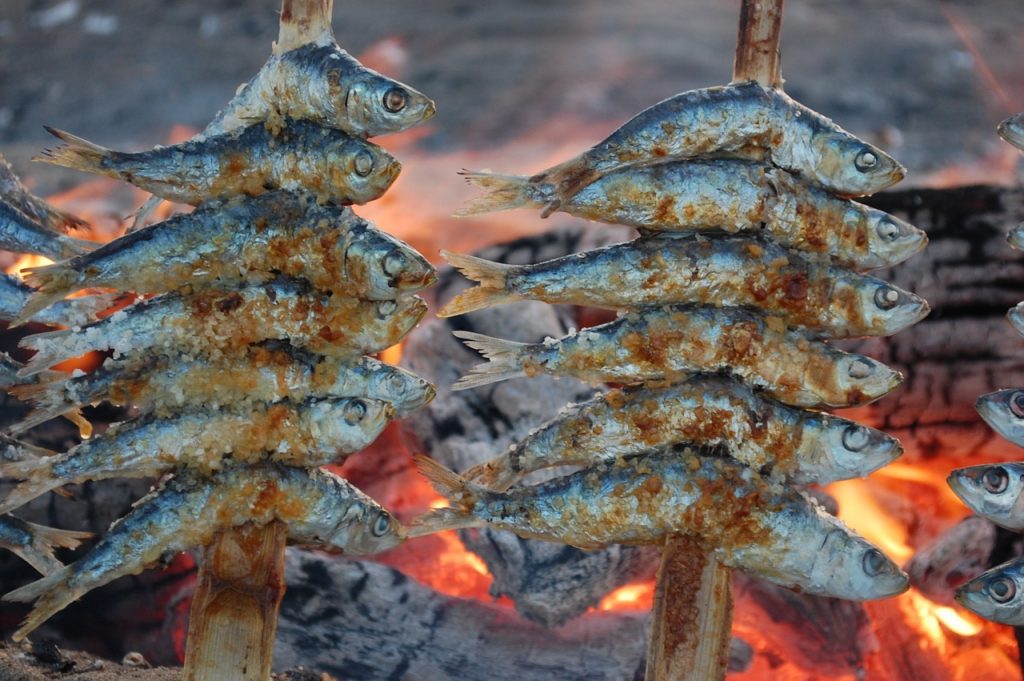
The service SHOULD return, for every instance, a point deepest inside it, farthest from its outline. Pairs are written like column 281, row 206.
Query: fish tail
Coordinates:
column 39, row 554
column 492, row 277
column 76, row 153
column 504, row 360
column 48, row 352
column 504, row 192
column 50, row 594
column 461, row 493
column 53, row 537
column 47, row 401
column 53, row 281
column 491, row 475
column 37, row 481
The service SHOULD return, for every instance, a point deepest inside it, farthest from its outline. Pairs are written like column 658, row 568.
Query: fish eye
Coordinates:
column 866, row 160
column 354, row 412
column 995, row 480
column 855, row 438
column 886, row 297
column 874, row 562
column 386, row 308
column 381, row 525
column 1017, row 404
column 396, row 381
column 888, row 230
column 860, row 368
column 395, row 100
column 394, row 263
column 363, row 163
column 1001, row 589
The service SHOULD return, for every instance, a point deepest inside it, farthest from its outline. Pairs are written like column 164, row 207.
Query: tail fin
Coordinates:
column 39, row 554
column 37, row 477
column 492, row 474
column 76, row 153
column 461, row 493
column 505, row 360
column 48, row 352
column 53, row 281
column 51, row 596
column 504, row 192
column 65, row 539
column 12, row 450
column 492, row 277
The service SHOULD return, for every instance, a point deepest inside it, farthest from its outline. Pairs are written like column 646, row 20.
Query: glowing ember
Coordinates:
column 25, row 261
column 638, row 597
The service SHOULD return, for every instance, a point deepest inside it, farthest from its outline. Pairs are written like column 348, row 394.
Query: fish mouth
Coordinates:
column 1015, row 237
column 1015, row 315
column 429, row 110
column 1012, row 130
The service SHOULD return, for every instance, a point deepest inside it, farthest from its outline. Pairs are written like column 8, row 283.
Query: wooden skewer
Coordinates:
column 692, row 617
column 234, row 610
column 304, row 22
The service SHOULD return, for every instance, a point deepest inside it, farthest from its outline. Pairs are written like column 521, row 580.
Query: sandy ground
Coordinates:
column 123, row 72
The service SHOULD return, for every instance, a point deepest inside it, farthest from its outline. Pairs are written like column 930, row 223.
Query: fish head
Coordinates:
column 349, row 424
column 376, row 105
column 851, row 167
column 1015, row 315
column 997, row 594
column 400, row 315
column 385, row 267
column 404, row 389
column 890, row 240
column 364, row 529
column 995, row 491
column 1003, row 410
column 1015, row 237
column 865, row 379
column 855, row 449
column 850, row 567
column 1012, row 130
column 887, row 309
column 359, row 170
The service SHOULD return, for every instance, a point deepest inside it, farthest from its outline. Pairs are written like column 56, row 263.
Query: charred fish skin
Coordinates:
column 22, row 234
column 996, row 595
column 167, row 384
column 35, row 543
column 313, row 433
column 190, row 508
column 16, row 194
column 297, row 156
column 726, row 271
column 762, row 527
column 762, row 434
column 326, row 85
column 14, row 294
column 246, row 240
column 213, row 322
column 994, row 491
column 735, row 195
column 669, row 343
column 1003, row 411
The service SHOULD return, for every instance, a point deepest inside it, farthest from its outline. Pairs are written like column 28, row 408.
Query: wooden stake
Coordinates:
column 234, row 611
column 304, row 22
column 692, row 617
column 757, row 44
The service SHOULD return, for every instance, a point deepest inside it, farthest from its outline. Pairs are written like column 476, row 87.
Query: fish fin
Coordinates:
column 491, row 475
column 40, row 553
column 50, row 596
column 76, row 153
column 459, row 491
column 504, row 360
column 36, row 481
column 492, row 278
column 24, row 450
column 44, row 359
column 142, row 214
column 440, row 520
column 53, row 283
column 65, row 539
column 504, row 192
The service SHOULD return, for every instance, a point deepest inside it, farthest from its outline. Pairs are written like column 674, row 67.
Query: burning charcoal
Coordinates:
column 960, row 553
column 388, row 626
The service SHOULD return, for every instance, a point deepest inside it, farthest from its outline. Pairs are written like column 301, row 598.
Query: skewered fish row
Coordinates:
column 994, row 491
column 747, row 263
column 248, row 366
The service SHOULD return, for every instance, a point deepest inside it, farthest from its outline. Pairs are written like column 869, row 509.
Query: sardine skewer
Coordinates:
column 997, row 594
column 22, row 234
column 16, row 194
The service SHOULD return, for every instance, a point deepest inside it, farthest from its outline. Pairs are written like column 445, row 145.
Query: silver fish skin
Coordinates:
column 994, row 491
column 735, row 118
column 728, row 271
column 793, row 444
column 1012, row 130
column 762, row 527
column 996, row 595
column 1015, row 315
column 9, row 368
column 326, row 85
column 1003, row 410
column 35, row 543
column 167, row 384
column 246, row 240
column 188, row 510
column 313, row 433
column 17, row 194
column 22, row 234
column 669, row 343
column 296, row 156
column 735, row 195
column 14, row 294
column 1015, row 237
column 216, row 322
